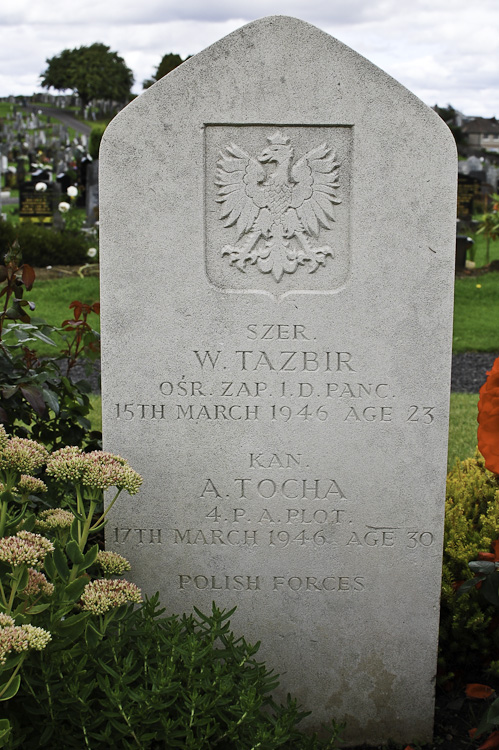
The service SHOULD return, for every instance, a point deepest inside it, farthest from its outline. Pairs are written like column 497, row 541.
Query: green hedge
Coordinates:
column 43, row 246
column 94, row 141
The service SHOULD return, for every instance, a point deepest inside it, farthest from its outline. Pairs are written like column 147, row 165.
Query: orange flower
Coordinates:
column 491, row 743
column 488, row 419
column 475, row 690
column 490, row 556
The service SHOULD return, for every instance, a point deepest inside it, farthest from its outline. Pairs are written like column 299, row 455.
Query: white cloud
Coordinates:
column 444, row 52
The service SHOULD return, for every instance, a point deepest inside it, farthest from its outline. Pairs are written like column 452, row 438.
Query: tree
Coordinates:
column 450, row 116
column 169, row 62
column 92, row 72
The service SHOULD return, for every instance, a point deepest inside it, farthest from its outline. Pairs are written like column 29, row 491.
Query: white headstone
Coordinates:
column 277, row 254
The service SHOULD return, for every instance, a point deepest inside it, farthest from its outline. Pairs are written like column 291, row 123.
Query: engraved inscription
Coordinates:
column 278, row 385
column 277, row 210
column 282, row 583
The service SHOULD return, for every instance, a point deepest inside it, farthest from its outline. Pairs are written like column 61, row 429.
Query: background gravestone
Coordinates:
column 468, row 191
column 277, row 250
column 37, row 207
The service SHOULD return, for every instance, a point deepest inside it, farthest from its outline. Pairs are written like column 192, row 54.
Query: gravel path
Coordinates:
column 469, row 371
column 65, row 116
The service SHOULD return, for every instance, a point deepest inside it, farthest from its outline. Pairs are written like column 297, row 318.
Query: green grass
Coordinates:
column 11, row 210
column 52, row 299
column 95, row 415
column 479, row 251
column 462, row 427
column 476, row 314
column 5, row 108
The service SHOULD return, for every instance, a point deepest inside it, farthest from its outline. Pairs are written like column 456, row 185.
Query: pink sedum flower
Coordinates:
column 112, row 563
column 20, row 638
column 101, row 595
column 54, row 518
column 37, row 584
column 22, row 455
column 25, row 548
column 30, row 485
column 99, row 469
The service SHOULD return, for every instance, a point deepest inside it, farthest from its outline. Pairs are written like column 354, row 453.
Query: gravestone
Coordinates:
column 277, row 257
column 37, row 207
column 92, row 192
column 469, row 190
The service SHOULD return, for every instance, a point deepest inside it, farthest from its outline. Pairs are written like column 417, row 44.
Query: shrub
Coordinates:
column 43, row 246
column 37, row 397
column 78, row 665
column 94, row 141
column 157, row 682
column 467, row 632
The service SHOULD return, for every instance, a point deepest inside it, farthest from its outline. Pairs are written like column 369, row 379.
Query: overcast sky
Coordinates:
column 445, row 51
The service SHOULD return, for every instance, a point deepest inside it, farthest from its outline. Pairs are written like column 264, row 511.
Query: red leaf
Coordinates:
column 28, row 276
column 96, row 309
column 491, row 743
column 77, row 307
column 486, row 556
column 495, row 547
column 475, row 690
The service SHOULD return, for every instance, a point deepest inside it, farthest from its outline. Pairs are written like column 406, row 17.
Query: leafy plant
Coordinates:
column 162, row 682
column 485, row 583
column 94, row 140
column 50, row 609
column 471, row 525
column 37, row 396
column 489, row 225
column 84, row 666
column 43, row 246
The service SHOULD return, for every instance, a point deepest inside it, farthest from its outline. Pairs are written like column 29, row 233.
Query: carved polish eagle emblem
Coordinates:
column 277, row 210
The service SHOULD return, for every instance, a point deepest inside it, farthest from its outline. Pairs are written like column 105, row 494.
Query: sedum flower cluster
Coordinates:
column 20, row 638
column 37, row 584
column 30, row 485
column 21, row 454
column 101, row 595
column 54, row 518
column 25, row 548
column 97, row 469
column 111, row 563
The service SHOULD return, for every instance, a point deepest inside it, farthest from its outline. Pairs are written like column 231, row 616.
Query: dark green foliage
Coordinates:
column 169, row 62
column 37, row 398
column 93, row 72
column 467, row 631
column 156, row 682
column 94, row 141
column 42, row 246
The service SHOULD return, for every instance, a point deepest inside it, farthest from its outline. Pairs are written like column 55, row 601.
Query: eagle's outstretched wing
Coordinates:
column 240, row 194
column 315, row 190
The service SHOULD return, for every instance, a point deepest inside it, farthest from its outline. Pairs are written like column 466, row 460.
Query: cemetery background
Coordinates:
column 474, row 285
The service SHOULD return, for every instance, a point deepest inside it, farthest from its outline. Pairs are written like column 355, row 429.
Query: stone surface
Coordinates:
column 277, row 249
